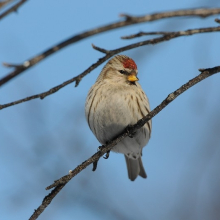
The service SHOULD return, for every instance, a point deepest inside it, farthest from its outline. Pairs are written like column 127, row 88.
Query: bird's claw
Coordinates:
column 131, row 133
column 107, row 155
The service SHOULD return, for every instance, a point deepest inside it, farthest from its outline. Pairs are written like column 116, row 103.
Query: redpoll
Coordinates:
column 115, row 101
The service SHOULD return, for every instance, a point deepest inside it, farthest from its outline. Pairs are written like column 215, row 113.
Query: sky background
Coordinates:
column 41, row 140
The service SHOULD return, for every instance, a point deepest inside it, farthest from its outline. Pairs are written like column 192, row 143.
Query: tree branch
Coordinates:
column 129, row 20
column 110, row 53
column 59, row 184
column 4, row 3
column 14, row 8
column 100, row 49
column 170, row 35
column 141, row 33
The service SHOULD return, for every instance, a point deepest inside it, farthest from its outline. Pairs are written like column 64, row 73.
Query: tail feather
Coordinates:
column 135, row 168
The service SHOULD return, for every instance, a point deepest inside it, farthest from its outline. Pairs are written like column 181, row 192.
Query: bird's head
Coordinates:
column 120, row 69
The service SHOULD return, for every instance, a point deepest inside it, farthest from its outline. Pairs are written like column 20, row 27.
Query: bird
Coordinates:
column 117, row 101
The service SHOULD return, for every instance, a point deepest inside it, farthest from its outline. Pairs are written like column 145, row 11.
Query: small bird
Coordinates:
column 116, row 101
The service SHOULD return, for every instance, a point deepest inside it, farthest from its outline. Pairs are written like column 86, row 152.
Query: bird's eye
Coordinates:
column 122, row 71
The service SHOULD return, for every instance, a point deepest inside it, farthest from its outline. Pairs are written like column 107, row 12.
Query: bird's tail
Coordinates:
column 135, row 168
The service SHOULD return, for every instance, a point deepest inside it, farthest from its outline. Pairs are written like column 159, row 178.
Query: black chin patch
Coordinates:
column 132, row 83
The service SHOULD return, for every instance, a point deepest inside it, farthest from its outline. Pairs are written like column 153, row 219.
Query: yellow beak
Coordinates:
column 132, row 78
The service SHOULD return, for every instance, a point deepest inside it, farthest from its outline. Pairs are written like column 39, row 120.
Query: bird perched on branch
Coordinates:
column 115, row 101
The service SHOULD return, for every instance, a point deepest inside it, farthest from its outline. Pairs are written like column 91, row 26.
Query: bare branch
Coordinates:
column 170, row 35
column 145, row 33
column 110, row 53
column 14, row 8
column 100, row 49
column 76, row 79
column 46, row 201
column 217, row 20
column 129, row 20
column 59, row 184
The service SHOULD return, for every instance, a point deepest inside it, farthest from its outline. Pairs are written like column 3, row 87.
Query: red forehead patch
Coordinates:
column 129, row 63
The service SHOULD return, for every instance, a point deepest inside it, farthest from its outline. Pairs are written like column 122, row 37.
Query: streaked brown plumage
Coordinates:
column 115, row 101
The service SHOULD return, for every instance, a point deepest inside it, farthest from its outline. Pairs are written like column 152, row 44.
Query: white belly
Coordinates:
column 111, row 115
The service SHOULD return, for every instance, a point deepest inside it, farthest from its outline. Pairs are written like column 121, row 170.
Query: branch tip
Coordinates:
column 126, row 16
column 7, row 64
column 11, row 65
column 100, row 49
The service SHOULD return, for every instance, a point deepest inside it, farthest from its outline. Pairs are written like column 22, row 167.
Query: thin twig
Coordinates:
column 170, row 35
column 14, row 8
column 109, row 54
column 100, row 49
column 59, row 184
column 11, row 65
column 129, row 20
column 145, row 33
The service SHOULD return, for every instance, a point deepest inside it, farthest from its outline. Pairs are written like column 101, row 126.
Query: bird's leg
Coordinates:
column 107, row 153
column 106, row 156
column 129, row 130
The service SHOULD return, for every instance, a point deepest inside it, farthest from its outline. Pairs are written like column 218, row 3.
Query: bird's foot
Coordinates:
column 131, row 133
column 107, row 155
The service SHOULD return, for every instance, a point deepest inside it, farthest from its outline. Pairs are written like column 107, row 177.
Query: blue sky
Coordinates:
column 42, row 140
